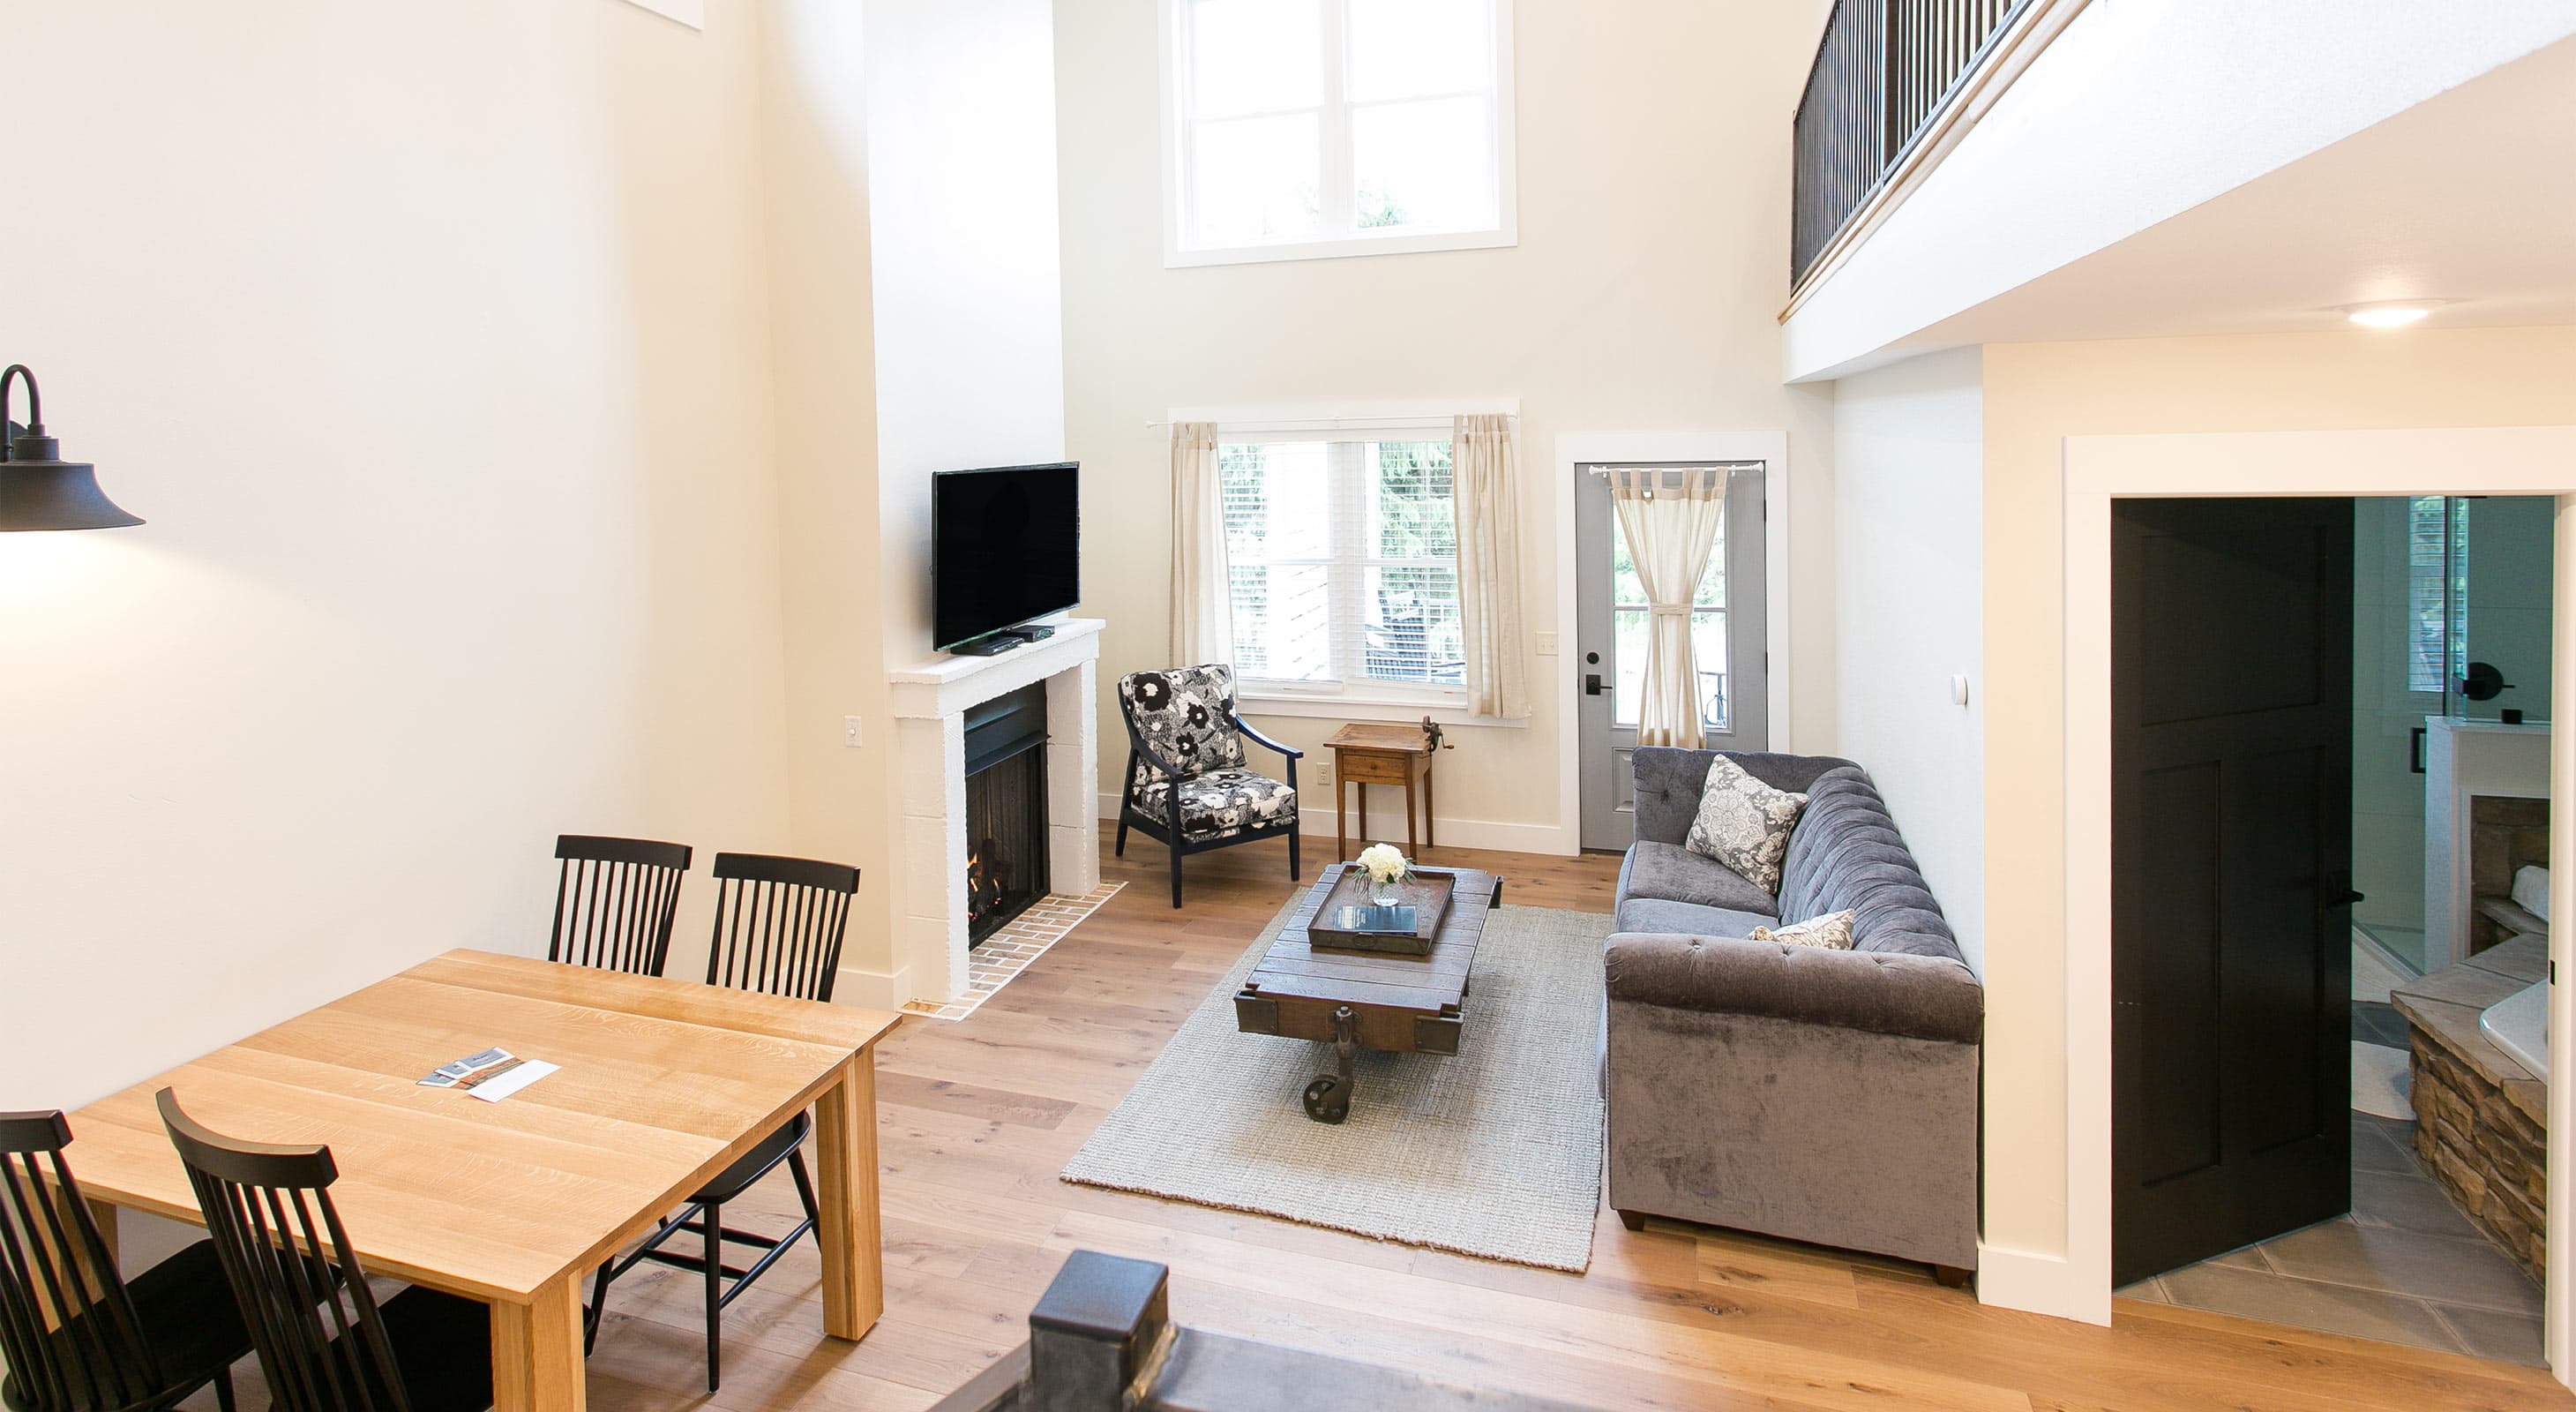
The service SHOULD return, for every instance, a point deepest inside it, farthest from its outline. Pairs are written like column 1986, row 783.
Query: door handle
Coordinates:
column 1592, row 683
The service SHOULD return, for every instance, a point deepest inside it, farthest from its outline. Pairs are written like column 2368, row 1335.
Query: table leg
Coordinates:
column 536, row 1351
column 1430, row 814
column 1363, row 789
column 845, row 1139
column 1328, row 1098
column 1341, row 816
column 1412, row 844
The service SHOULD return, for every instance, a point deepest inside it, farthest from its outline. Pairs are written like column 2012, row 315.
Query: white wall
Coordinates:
column 912, row 197
column 1909, row 496
column 1653, row 190
column 2137, row 113
column 430, row 339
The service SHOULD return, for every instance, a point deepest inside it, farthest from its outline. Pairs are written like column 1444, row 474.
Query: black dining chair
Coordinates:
column 75, row 1335
column 614, row 901
column 778, row 930
column 420, row 1351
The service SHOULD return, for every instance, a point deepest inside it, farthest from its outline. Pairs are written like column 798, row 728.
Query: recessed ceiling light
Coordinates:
column 2392, row 313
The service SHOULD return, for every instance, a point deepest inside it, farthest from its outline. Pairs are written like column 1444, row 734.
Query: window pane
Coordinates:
column 1407, row 48
column 1254, row 56
column 1283, row 621
column 1253, row 180
column 1625, row 586
column 1628, row 650
column 1423, row 164
column 1410, row 616
column 1410, row 514
column 1712, row 584
column 1275, row 496
column 1708, row 654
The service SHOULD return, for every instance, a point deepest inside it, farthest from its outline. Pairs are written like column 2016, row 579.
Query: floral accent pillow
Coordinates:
column 1833, row 931
column 1744, row 824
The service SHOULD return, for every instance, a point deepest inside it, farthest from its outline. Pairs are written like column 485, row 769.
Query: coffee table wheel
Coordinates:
column 1328, row 1098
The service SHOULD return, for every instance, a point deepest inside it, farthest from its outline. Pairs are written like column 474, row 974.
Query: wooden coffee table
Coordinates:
column 1358, row 1000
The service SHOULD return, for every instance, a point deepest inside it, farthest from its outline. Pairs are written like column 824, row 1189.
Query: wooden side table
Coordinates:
column 1367, row 754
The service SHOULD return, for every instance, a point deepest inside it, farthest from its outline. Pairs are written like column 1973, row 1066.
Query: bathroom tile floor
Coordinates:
column 2405, row 1266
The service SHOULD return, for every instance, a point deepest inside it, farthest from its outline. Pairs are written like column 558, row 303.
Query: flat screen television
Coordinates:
column 1006, row 547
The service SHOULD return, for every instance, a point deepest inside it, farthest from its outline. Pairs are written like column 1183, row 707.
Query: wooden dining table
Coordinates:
column 514, row 1203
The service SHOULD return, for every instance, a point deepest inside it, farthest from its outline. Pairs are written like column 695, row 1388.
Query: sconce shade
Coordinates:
column 38, row 489
column 55, row 495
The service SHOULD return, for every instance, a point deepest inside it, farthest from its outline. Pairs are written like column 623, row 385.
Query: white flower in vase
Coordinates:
column 1386, row 866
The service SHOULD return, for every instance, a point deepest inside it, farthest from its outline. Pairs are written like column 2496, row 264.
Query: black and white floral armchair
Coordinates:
column 1185, row 757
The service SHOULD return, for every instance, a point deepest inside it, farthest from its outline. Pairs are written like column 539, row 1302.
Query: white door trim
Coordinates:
column 1574, row 451
column 2098, row 469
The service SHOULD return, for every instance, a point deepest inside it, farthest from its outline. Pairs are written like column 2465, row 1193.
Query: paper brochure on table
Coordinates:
column 490, row 1075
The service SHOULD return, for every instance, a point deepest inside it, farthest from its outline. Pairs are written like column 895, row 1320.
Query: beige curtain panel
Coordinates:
column 1671, row 521
column 1484, row 480
column 1202, row 581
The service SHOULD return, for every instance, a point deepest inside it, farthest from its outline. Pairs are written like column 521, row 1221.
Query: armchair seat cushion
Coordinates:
column 1218, row 804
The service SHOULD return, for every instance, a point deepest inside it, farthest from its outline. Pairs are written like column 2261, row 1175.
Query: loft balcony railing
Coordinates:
column 1886, row 74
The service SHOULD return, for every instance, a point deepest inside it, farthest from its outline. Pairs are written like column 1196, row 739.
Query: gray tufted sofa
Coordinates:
column 1818, row 1095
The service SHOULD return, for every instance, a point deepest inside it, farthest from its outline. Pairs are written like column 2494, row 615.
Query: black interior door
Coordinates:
column 2231, row 852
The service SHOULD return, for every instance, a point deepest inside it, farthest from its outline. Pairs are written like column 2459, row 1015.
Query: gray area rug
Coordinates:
column 1495, row 1151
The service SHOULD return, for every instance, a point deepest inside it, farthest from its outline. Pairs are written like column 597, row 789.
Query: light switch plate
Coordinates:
column 850, row 732
column 1547, row 644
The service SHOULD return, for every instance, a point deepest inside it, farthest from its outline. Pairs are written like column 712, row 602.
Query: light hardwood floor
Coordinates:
column 978, row 1116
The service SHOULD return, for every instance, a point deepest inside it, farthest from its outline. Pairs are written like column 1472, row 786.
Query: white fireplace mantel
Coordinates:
column 929, row 700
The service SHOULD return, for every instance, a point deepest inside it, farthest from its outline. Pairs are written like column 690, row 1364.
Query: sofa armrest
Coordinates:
column 1920, row 997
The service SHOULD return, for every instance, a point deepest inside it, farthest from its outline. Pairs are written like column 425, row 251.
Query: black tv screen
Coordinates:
column 1006, row 547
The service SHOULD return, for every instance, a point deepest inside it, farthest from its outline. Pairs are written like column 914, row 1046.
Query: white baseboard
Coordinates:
column 873, row 990
column 2038, row 1284
column 1501, row 837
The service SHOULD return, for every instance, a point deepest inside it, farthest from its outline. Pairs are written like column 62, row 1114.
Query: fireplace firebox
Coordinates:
column 1006, row 819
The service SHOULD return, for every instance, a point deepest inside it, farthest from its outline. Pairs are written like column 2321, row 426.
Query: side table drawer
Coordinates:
column 1369, row 767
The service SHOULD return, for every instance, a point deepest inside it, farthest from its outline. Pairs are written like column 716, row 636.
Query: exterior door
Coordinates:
column 2231, row 881
column 1727, row 636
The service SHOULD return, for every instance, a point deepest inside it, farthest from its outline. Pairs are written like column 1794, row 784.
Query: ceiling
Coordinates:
column 2469, row 196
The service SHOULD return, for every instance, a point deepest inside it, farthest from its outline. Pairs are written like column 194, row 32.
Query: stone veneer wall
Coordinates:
column 2504, row 834
column 2486, row 1145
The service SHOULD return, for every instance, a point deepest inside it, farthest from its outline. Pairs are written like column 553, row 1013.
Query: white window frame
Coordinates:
column 1335, row 178
column 1363, row 701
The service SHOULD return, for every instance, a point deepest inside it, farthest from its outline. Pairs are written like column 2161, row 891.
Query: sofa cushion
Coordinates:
column 1654, row 914
column 1669, row 781
column 1923, row 997
column 1847, row 853
column 1670, row 873
column 1744, row 823
column 1832, row 931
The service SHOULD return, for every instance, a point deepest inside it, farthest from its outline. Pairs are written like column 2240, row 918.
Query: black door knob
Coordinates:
column 1592, row 683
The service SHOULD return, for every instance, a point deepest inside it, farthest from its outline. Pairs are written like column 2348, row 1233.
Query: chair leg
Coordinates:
column 805, row 1189
column 1121, row 849
column 224, row 1391
column 713, row 1233
column 598, row 1310
column 1176, row 869
column 1294, row 872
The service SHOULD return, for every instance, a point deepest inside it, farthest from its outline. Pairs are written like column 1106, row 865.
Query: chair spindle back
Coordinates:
column 68, row 1331
column 614, row 901
column 779, row 923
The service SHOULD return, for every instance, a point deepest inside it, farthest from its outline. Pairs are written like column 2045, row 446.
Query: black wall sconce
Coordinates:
column 38, row 489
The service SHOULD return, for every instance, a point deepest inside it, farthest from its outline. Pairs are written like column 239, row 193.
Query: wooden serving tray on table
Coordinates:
column 1428, row 892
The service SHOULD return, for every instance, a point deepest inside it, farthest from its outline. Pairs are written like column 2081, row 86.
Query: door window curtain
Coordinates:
column 1202, row 580
column 1670, row 519
column 1484, row 483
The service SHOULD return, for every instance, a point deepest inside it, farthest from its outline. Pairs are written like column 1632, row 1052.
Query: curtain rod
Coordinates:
column 1372, row 419
column 1603, row 468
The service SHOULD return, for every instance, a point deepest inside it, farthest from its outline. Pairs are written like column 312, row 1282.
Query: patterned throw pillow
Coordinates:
column 1744, row 824
column 1833, row 931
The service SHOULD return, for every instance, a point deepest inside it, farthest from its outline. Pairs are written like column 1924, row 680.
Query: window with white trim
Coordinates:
column 1301, row 128
column 1343, row 551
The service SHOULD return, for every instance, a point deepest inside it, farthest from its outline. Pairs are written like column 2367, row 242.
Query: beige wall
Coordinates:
column 2035, row 396
column 1653, row 182
column 431, row 339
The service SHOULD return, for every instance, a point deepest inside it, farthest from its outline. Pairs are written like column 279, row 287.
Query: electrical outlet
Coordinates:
column 1547, row 644
column 850, row 735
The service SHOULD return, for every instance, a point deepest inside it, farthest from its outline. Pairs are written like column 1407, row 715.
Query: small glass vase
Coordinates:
column 1388, row 893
